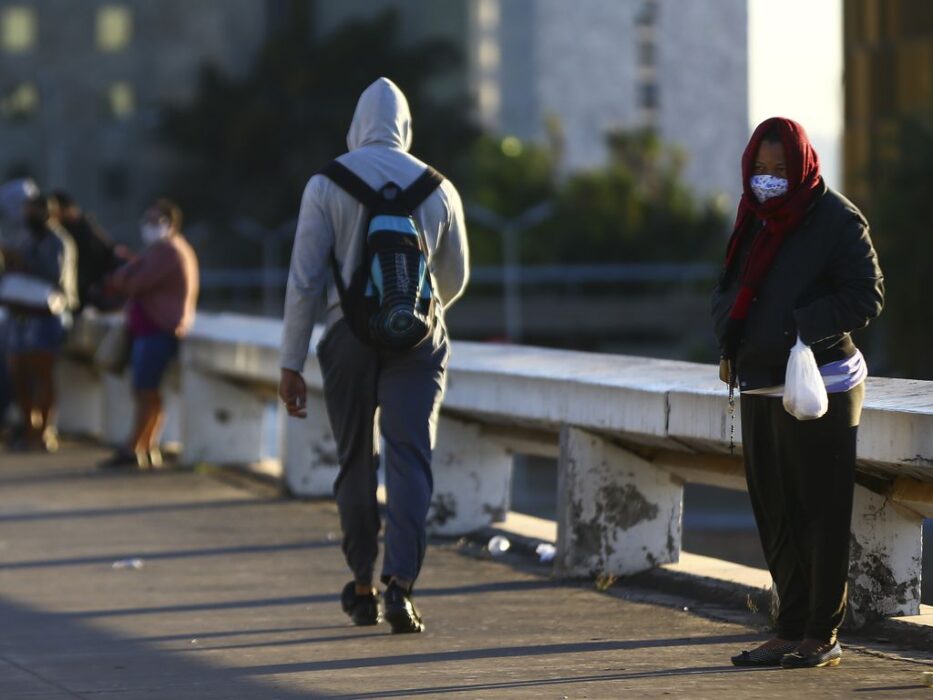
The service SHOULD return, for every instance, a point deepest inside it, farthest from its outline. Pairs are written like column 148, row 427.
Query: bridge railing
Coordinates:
column 628, row 433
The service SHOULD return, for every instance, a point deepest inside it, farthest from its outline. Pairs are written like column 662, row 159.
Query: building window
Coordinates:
column 488, row 55
column 648, row 96
column 648, row 14
column 647, row 54
column 114, row 28
column 115, row 182
column 18, row 29
column 487, row 14
column 489, row 97
column 121, row 101
column 20, row 103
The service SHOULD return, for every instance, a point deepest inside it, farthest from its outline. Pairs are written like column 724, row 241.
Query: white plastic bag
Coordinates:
column 804, row 391
column 31, row 293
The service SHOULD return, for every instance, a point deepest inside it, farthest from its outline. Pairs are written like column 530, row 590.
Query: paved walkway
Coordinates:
column 237, row 598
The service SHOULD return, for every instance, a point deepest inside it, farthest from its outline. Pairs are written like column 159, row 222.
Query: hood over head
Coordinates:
column 382, row 117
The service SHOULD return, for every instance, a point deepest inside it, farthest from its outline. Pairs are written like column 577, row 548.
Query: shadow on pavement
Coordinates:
column 51, row 655
column 495, row 587
column 162, row 556
column 503, row 652
column 141, row 509
column 512, row 685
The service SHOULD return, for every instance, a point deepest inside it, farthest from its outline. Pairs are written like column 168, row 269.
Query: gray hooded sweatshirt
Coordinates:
column 330, row 219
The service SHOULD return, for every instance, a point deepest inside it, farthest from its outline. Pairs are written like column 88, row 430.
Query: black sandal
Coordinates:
column 764, row 657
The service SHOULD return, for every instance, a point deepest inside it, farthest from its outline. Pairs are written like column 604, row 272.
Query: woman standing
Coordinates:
column 800, row 263
column 162, row 286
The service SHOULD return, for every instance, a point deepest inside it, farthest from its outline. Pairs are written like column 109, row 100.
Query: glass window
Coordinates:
column 646, row 53
column 114, row 28
column 121, row 101
column 488, row 14
column 22, row 102
column 647, row 14
column 648, row 93
column 18, row 29
column 489, row 55
column 490, row 99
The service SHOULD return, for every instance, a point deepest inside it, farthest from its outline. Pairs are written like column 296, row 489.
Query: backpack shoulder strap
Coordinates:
column 351, row 183
column 420, row 189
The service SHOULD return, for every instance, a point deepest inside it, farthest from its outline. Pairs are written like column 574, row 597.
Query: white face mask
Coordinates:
column 153, row 233
column 767, row 187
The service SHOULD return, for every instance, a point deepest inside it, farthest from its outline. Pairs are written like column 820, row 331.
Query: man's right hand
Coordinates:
column 294, row 393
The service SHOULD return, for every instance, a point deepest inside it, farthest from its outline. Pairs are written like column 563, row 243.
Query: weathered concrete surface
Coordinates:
column 237, row 599
column 617, row 513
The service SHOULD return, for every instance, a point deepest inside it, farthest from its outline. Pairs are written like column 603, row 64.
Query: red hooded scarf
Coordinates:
column 780, row 215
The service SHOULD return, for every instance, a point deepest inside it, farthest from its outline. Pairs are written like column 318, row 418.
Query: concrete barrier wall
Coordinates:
column 628, row 432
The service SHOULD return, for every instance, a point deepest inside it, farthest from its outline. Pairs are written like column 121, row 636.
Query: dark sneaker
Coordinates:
column 401, row 612
column 362, row 609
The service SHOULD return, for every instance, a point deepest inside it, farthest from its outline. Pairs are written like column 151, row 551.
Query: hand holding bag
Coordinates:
column 804, row 391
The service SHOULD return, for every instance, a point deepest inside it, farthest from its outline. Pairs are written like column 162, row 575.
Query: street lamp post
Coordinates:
column 511, row 230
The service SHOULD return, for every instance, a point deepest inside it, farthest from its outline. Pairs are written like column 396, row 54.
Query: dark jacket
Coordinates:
column 96, row 258
column 824, row 284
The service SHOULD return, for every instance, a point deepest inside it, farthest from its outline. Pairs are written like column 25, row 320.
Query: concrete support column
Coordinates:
column 617, row 513
column 119, row 408
column 308, row 450
column 80, row 390
column 472, row 479
column 885, row 559
column 173, row 406
column 222, row 423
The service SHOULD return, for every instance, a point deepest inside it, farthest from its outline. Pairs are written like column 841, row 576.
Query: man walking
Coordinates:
column 365, row 222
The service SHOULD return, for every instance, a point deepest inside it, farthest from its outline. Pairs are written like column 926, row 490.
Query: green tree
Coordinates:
column 902, row 217
column 635, row 209
column 506, row 177
column 247, row 146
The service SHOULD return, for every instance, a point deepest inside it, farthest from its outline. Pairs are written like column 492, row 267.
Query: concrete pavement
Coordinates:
column 237, row 597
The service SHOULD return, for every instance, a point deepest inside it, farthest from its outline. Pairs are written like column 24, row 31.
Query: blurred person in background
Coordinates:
column 13, row 234
column 800, row 264
column 162, row 287
column 36, row 338
column 98, row 256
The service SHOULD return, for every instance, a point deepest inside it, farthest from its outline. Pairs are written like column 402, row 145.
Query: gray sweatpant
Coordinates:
column 407, row 388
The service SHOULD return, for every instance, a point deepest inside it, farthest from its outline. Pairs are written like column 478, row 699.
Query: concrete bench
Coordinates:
column 628, row 433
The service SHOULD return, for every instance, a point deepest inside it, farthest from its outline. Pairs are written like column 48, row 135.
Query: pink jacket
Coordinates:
column 164, row 281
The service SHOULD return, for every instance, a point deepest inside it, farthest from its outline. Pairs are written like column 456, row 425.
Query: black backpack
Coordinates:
column 390, row 301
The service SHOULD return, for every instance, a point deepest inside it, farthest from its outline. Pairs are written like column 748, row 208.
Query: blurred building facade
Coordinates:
column 82, row 83
column 573, row 71
column 588, row 67
column 888, row 75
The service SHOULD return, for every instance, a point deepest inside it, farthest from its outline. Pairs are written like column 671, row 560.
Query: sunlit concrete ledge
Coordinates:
column 628, row 433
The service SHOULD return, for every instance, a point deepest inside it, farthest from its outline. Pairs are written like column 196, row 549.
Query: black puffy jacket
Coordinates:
column 825, row 283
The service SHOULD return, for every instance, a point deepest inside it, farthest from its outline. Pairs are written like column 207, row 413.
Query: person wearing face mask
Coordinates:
column 800, row 263
column 35, row 339
column 162, row 287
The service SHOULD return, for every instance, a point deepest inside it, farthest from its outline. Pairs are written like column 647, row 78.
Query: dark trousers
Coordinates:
column 407, row 389
column 801, row 479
